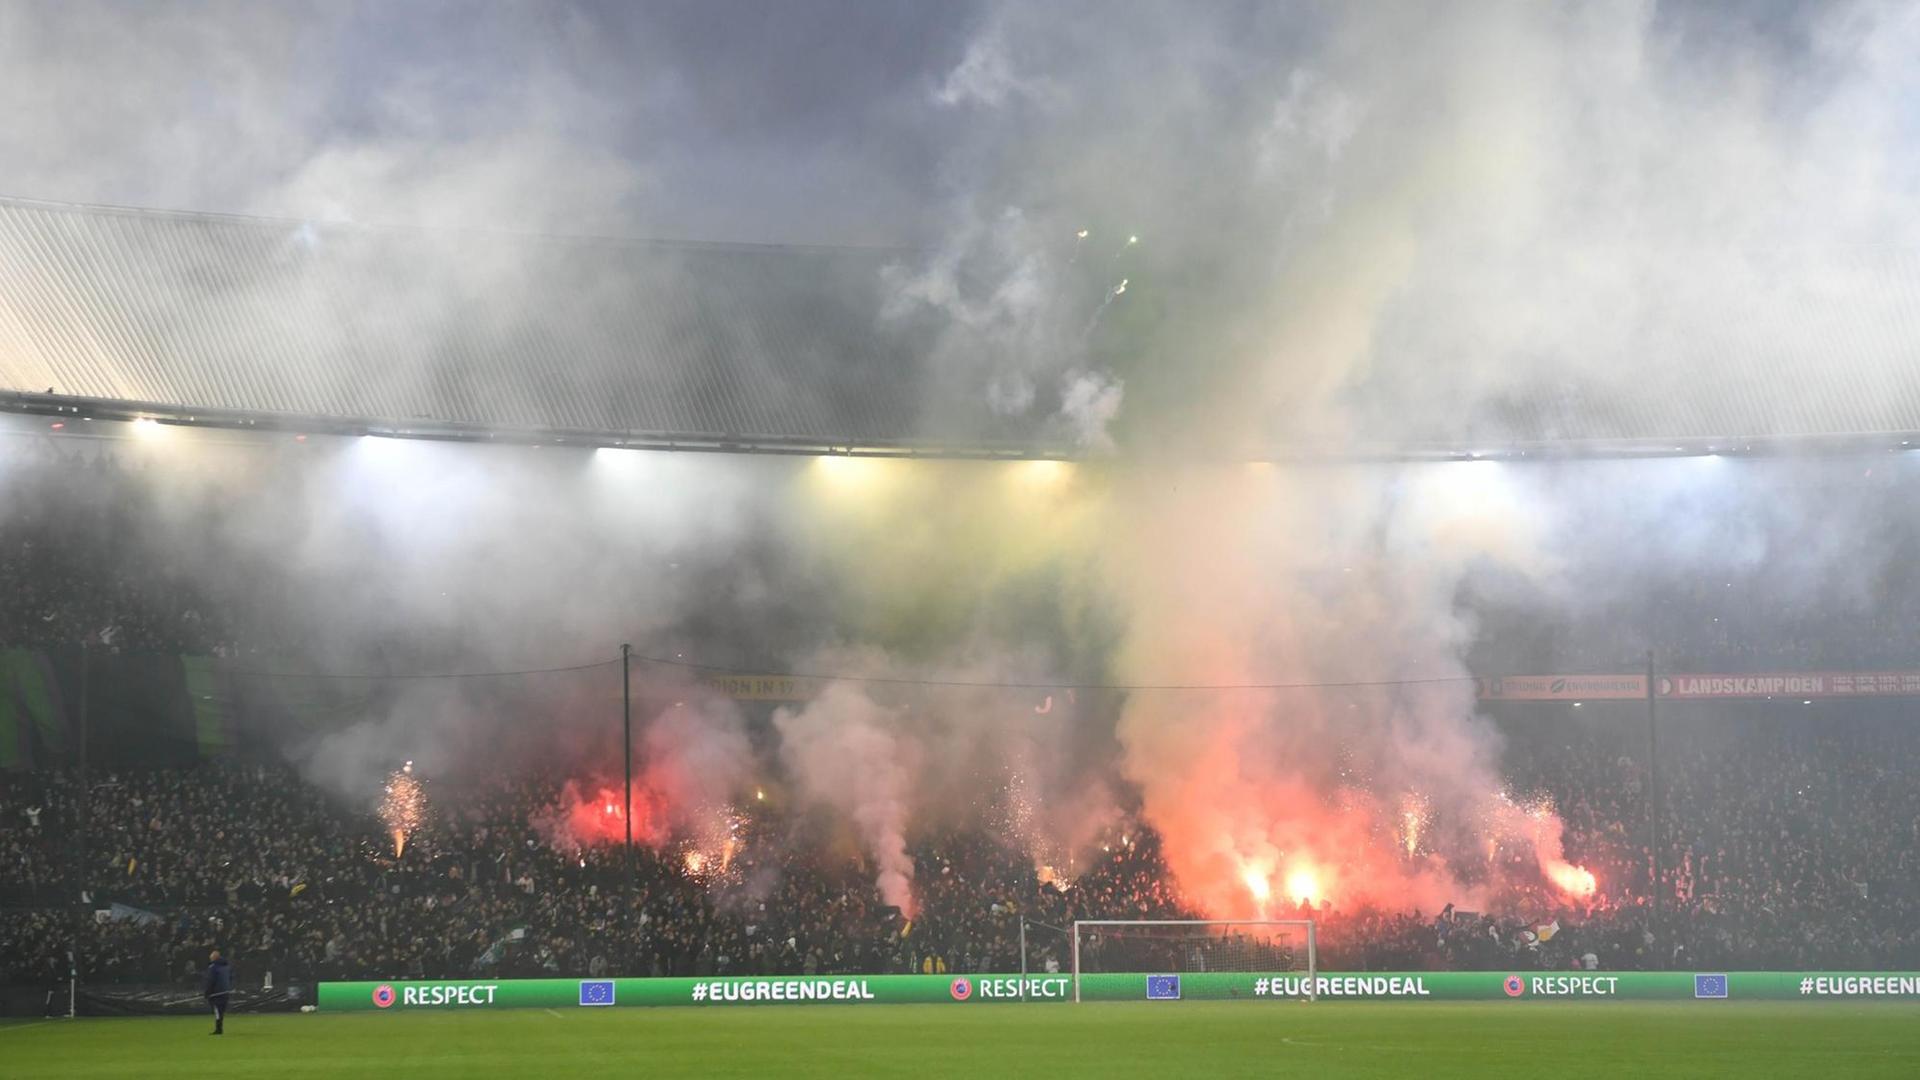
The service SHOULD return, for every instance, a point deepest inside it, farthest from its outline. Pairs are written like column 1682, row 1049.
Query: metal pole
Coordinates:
column 83, row 846
column 1075, row 925
column 626, row 734
column 1653, row 817
column 1313, row 961
column 1023, row 958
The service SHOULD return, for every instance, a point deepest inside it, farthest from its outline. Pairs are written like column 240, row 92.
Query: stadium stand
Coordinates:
column 1794, row 845
column 1779, row 854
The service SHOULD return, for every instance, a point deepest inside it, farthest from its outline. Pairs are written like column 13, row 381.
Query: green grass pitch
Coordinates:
column 1625, row 1041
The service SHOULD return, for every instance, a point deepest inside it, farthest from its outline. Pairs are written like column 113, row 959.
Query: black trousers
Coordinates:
column 219, row 1003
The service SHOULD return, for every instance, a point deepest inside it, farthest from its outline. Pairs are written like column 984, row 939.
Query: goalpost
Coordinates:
column 1197, row 958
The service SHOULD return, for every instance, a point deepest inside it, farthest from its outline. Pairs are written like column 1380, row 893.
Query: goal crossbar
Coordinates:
column 1306, row 926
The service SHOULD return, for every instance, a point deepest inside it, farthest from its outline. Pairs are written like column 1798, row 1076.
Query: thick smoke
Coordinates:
column 1167, row 234
column 1343, row 577
column 377, row 555
column 1349, row 241
column 848, row 753
column 693, row 760
column 1456, row 222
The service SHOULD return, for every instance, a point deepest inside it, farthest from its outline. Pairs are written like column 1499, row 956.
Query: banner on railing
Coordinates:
column 1188, row 986
column 770, row 990
column 1816, row 684
column 1706, row 686
column 786, row 688
column 1563, row 687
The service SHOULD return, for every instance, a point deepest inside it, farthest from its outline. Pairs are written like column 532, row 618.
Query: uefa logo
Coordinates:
column 1515, row 986
column 962, row 989
column 383, row 996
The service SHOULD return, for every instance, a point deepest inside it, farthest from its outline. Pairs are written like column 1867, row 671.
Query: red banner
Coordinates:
column 1563, row 687
column 1790, row 684
column 1806, row 685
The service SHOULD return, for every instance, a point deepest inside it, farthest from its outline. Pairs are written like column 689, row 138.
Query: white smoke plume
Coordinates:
column 1088, row 404
column 845, row 752
column 697, row 756
column 1455, row 222
column 1523, row 224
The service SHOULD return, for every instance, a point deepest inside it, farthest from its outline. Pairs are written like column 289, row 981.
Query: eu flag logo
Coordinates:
column 596, row 992
column 1709, row 986
column 1163, row 988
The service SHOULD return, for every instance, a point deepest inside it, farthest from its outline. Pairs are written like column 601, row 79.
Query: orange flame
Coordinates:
column 1256, row 884
column 1572, row 880
column 1303, row 884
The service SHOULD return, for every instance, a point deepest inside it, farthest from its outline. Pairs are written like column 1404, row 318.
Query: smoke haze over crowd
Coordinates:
column 1180, row 240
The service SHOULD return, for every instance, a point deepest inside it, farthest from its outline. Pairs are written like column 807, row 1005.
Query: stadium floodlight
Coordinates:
column 1183, row 958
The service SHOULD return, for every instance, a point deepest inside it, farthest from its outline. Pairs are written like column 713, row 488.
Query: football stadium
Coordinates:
column 842, row 539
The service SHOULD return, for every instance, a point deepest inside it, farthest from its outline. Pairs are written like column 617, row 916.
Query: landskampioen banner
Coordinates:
column 1703, row 686
column 1807, row 684
column 1190, row 986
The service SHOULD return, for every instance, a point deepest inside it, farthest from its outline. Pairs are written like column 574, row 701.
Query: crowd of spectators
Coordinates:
column 1783, row 841
column 1786, row 842
column 252, row 858
column 1695, row 627
column 1790, row 834
column 76, row 566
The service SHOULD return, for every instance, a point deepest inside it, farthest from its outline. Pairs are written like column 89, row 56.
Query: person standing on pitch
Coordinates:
column 219, row 983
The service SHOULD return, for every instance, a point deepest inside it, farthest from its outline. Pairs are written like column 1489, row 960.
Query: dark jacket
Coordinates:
column 219, row 978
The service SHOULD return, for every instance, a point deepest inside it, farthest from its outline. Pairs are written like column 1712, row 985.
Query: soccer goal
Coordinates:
column 1174, row 959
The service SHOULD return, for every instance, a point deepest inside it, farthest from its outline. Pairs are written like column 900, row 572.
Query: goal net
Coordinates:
column 1172, row 960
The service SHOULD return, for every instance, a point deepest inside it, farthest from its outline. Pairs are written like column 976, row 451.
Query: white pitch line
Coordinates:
column 1315, row 1044
column 550, row 1012
column 16, row 1027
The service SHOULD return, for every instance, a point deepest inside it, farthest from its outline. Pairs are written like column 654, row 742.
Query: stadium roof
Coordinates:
column 248, row 321
column 230, row 317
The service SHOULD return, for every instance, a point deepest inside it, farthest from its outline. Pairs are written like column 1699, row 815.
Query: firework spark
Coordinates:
column 1416, row 820
column 404, row 806
column 1016, row 816
column 1079, row 239
column 709, row 856
column 1534, row 824
column 1114, row 294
